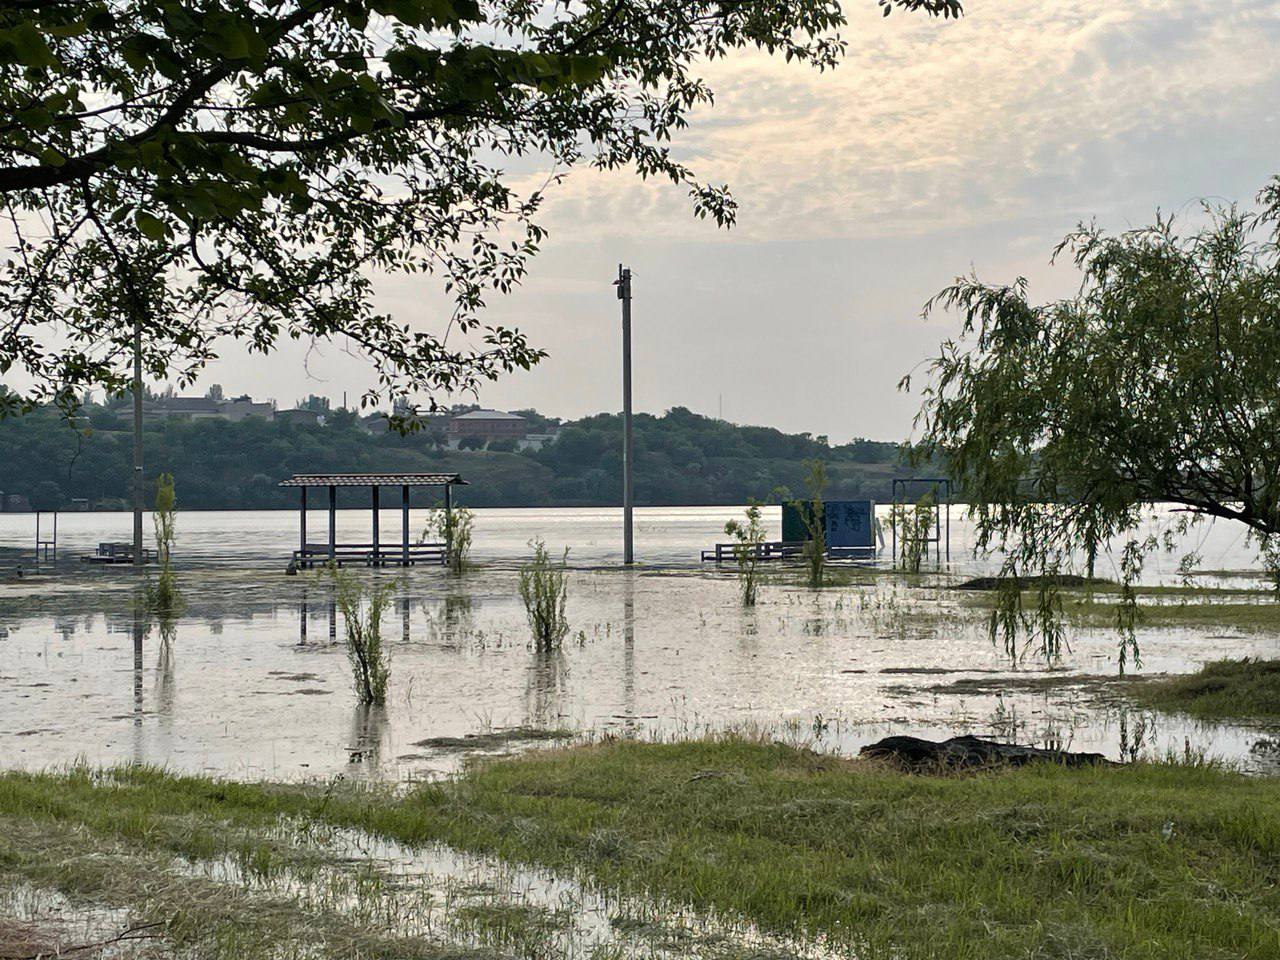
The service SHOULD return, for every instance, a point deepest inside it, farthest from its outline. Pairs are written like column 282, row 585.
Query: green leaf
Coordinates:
column 152, row 227
column 25, row 44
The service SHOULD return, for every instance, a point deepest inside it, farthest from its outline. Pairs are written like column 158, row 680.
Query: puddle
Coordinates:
column 42, row 923
column 438, row 894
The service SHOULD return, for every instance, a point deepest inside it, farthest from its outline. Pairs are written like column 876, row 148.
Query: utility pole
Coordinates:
column 138, row 557
column 623, row 284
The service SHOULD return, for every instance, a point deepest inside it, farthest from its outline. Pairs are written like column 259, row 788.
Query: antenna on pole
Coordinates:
column 623, row 283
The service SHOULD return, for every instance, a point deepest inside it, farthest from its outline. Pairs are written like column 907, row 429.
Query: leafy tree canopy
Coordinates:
column 207, row 169
column 1156, row 382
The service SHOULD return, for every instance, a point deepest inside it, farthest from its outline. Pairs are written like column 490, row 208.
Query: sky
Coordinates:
column 936, row 148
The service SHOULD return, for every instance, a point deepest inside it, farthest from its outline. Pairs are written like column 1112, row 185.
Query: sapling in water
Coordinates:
column 162, row 598
column 453, row 529
column 543, row 589
column 747, row 536
column 362, row 610
column 913, row 524
column 815, row 546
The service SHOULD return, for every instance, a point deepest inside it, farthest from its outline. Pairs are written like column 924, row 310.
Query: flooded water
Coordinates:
column 446, row 896
column 252, row 679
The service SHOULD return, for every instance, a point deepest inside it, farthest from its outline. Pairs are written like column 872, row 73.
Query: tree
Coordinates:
column 47, row 495
column 197, row 169
column 314, row 403
column 1156, row 382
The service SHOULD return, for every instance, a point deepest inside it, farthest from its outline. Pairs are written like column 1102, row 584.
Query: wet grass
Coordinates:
column 1168, row 607
column 494, row 739
column 195, row 916
column 1224, row 689
column 1146, row 861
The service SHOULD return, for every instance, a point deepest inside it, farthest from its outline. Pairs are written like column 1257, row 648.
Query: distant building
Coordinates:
column 310, row 418
column 208, row 408
column 535, row 441
column 487, row 425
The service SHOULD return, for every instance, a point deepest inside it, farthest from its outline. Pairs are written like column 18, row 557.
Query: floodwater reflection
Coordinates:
column 548, row 675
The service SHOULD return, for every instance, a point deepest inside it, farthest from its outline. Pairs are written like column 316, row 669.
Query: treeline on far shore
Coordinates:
column 681, row 458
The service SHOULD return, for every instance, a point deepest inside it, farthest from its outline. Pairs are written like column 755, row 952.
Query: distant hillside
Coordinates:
column 681, row 458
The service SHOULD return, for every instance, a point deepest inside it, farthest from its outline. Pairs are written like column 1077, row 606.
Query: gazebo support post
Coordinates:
column 404, row 525
column 448, row 525
column 376, row 559
column 302, row 526
column 333, row 524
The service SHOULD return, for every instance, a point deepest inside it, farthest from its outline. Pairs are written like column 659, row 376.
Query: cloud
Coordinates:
column 928, row 125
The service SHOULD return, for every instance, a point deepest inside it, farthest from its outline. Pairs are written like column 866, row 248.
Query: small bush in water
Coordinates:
column 914, row 525
column 162, row 598
column 747, row 538
column 453, row 529
column 815, row 547
column 362, row 610
column 543, row 590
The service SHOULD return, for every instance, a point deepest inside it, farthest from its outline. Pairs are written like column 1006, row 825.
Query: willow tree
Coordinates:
column 1158, row 382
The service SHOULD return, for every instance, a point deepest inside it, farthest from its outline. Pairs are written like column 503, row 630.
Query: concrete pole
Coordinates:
column 333, row 524
column 404, row 525
column 448, row 524
column 138, row 558
column 302, row 526
column 628, row 539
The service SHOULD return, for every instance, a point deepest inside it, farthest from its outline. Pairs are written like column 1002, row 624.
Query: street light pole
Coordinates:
column 138, row 558
column 623, row 284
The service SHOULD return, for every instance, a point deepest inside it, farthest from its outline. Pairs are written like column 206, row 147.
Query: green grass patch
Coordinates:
column 1146, row 861
column 1234, row 689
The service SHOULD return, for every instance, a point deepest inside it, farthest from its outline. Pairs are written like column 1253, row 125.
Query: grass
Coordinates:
column 1039, row 862
column 1146, row 861
column 1221, row 689
column 1168, row 607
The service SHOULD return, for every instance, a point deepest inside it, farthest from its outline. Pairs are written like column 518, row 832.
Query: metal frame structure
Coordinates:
column 941, row 538
column 375, row 553
column 46, row 547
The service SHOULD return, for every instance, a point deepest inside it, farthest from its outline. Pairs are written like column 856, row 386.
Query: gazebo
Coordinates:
column 375, row 553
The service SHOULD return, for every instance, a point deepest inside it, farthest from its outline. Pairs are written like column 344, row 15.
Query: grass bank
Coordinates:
column 1148, row 861
column 1223, row 689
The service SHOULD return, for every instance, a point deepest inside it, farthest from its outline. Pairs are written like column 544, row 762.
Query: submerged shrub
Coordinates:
column 913, row 524
column 747, row 537
column 453, row 529
column 815, row 546
column 544, row 591
column 362, row 610
column 162, row 597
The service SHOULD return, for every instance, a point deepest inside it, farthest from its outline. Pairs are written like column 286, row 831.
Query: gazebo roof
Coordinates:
column 374, row 480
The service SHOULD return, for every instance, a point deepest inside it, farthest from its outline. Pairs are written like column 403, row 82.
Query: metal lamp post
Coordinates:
column 623, row 283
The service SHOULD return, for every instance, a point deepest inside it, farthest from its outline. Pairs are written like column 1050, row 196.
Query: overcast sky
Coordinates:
column 937, row 147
